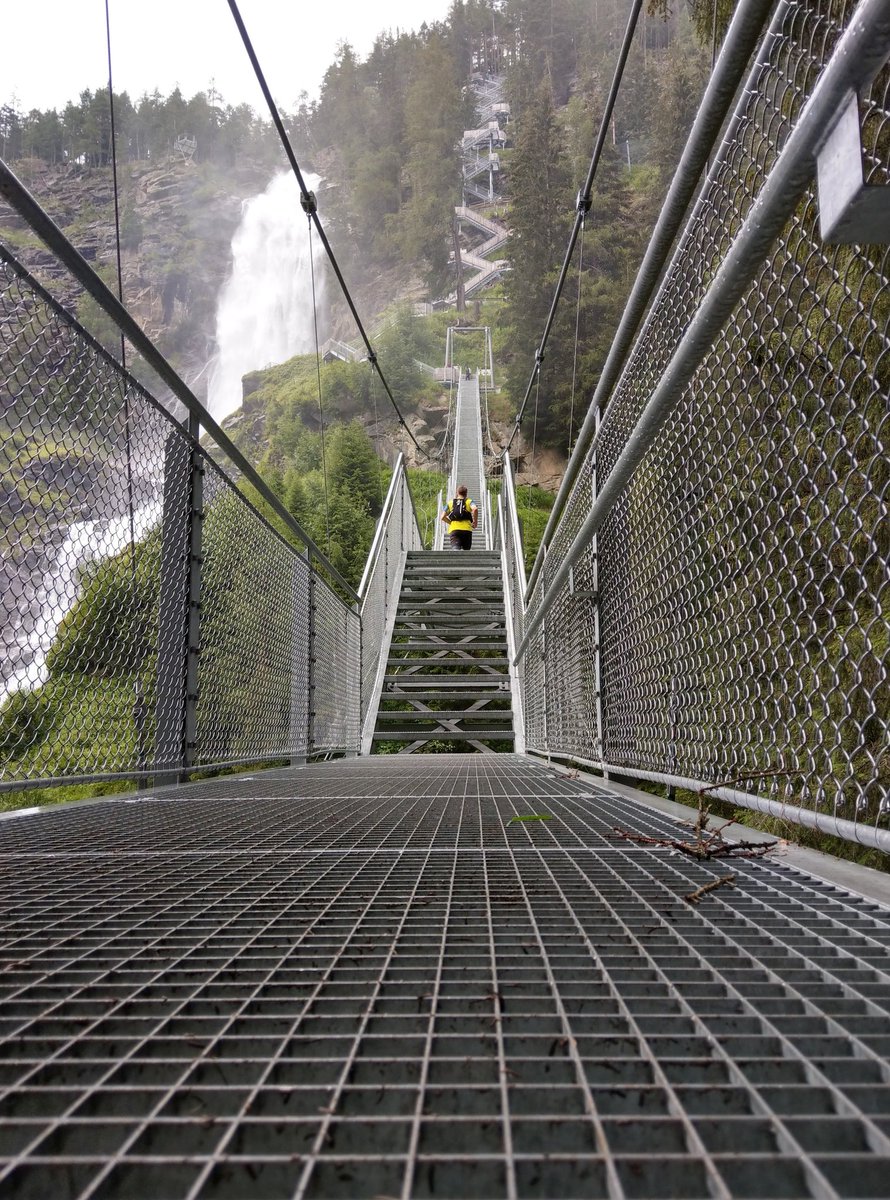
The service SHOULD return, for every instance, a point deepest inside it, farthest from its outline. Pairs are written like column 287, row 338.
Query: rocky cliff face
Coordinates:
column 177, row 221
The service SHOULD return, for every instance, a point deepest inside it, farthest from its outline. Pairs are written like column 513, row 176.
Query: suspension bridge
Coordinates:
column 501, row 971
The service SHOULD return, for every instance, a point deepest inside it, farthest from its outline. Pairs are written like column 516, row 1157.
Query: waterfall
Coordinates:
column 264, row 314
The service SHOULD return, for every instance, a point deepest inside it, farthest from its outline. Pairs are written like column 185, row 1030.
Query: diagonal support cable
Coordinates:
column 582, row 207
column 310, row 207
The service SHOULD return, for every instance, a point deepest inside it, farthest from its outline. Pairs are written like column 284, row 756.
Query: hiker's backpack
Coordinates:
column 459, row 510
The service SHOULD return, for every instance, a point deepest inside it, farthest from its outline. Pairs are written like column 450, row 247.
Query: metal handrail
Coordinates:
column 861, row 52
column 741, row 37
column 397, row 532
column 394, row 489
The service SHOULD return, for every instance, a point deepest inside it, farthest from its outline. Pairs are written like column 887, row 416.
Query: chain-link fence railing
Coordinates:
column 151, row 620
column 397, row 532
column 507, row 539
column 736, row 597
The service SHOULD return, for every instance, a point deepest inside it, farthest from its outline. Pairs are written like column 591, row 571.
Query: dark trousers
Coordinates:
column 461, row 539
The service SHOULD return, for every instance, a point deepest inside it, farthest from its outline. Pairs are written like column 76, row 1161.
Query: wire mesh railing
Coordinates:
column 724, row 620
column 397, row 532
column 507, row 539
column 152, row 622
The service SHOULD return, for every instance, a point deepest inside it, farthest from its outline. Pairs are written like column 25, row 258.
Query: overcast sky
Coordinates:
column 53, row 49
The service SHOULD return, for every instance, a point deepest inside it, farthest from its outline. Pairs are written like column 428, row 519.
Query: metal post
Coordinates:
column 178, row 608
column 310, row 672
column 544, row 695
column 597, row 638
column 193, row 630
column 361, row 675
column 402, row 519
column 299, row 706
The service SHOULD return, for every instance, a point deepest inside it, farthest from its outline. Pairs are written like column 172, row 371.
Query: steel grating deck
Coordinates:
column 364, row 979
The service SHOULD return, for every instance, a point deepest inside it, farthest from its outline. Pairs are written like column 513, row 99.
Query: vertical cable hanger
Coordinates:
column 307, row 202
column 115, row 188
column 528, row 486
column 137, row 685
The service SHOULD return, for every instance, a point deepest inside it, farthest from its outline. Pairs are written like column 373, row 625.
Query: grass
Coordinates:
column 74, row 725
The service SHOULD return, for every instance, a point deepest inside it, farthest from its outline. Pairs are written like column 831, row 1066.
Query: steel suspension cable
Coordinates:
column 582, row 205
column 138, row 701
column 324, row 461
column 732, row 62
column 310, row 207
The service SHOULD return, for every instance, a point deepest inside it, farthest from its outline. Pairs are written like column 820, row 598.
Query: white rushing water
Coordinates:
column 85, row 542
column 264, row 314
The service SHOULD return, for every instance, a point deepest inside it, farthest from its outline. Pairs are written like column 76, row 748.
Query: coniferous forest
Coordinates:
column 384, row 134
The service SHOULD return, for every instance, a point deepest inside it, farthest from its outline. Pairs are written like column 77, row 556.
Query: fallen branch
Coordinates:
column 711, row 844
column 706, row 848
column 723, row 881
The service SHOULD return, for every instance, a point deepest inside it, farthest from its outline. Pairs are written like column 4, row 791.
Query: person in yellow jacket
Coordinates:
column 461, row 517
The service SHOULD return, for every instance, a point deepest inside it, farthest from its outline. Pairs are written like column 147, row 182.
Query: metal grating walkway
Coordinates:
column 467, row 466
column 367, row 979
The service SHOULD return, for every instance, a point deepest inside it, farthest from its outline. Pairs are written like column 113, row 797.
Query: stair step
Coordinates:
column 450, row 601
column 451, row 647
column 453, row 618
column 431, row 656
column 415, row 735
column 446, row 664
column 451, row 586
column 428, row 630
column 456, row 714
column 451, row 693
column 499, row 680
column 482, row 573
column 451, row 606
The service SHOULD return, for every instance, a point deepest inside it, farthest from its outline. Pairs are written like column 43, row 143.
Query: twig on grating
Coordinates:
column 723, row 881
column 705, row 843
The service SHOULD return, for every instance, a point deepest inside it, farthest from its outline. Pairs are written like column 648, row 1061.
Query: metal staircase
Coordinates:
column 447, row 672
column 482, row 184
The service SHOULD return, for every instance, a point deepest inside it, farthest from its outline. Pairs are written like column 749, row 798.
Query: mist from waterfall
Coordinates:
column 264, row 313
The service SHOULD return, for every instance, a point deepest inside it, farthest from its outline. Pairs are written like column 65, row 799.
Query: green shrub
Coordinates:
column 109, row 631
column 24, row 721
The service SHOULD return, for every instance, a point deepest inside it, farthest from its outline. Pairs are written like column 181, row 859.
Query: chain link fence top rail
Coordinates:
column 102, row 494
column 398, row 531
column 743, row 576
